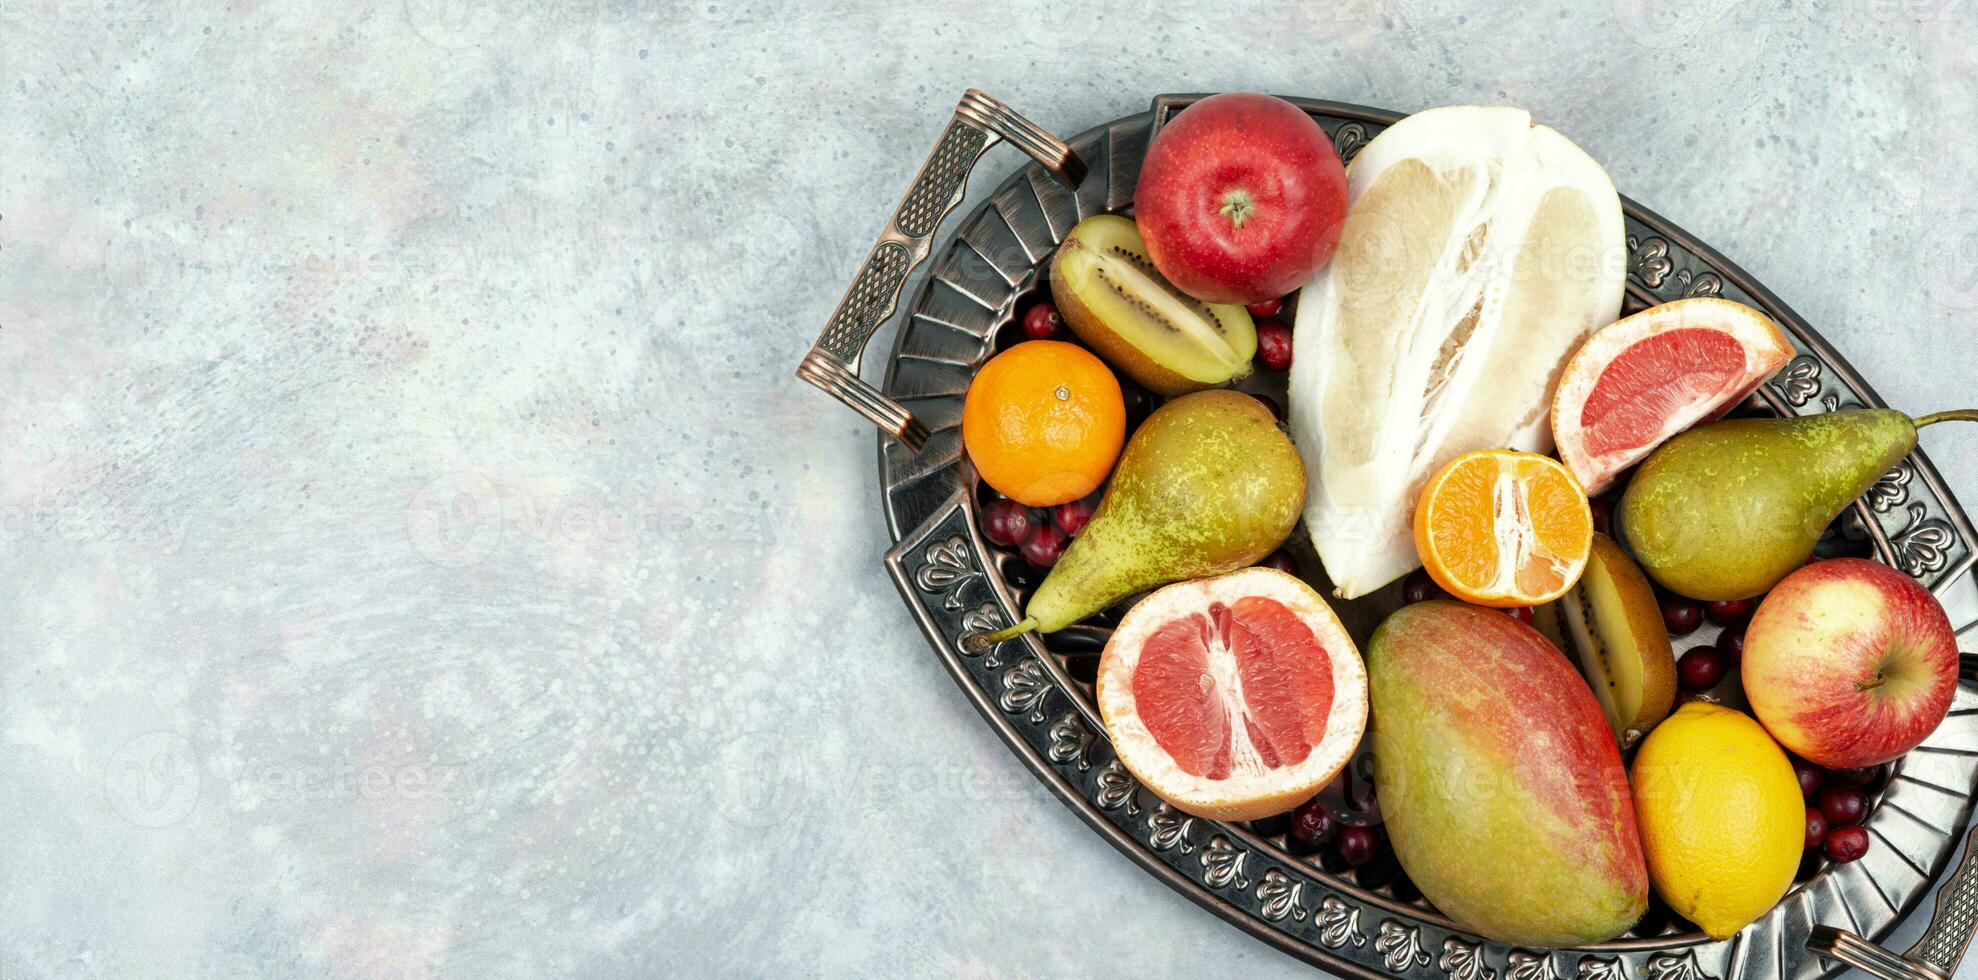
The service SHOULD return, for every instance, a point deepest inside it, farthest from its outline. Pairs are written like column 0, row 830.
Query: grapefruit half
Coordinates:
column 1654, row 374
column 1234, row 697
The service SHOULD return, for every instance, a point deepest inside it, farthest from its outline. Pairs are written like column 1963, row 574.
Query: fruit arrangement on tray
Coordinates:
column 1560, row 491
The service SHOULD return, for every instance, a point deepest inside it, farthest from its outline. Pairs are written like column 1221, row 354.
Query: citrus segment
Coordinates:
column 1503, row 528
column 1234, row 697
column 1654, row 374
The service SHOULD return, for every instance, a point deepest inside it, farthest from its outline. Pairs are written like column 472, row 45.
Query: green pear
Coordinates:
column 1208, row 484
column 1727, row 509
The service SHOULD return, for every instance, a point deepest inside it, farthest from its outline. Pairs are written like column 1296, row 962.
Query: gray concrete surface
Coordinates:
column 419, row 562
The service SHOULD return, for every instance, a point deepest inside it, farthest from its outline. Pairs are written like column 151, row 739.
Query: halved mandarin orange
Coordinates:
column 1503, row 528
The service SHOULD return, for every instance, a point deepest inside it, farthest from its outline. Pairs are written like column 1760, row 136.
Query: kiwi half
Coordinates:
column 1610, row 622
column 1109, row 293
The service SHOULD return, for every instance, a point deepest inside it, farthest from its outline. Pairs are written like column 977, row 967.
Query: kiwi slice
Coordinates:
column 1109, row 293
column 1611, row 623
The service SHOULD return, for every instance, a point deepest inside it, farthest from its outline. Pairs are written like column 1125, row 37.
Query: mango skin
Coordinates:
column 1499, row 779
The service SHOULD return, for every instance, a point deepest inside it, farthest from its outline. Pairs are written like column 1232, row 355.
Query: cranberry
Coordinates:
column 1358, row 845
column 1810, row 776
column 1006, row 522
column 1846, row 844
column 1282, row 561
column 1267, row 307
column 1701, row 668
column 1277, row 408
column 1522, row 614
column 1681, row 615
column 1728, row 611
column 1731, row 641
column 1137, row 401
column 1041, row 322
column 1816, row 827
column 1404, row 888
column 1843, row 805
column 1312, row 825
column 1044, row 546
column 1603, row 514
column 1857, row 777
column 1420, row 587
column 1072, row 517
column 1273, row 344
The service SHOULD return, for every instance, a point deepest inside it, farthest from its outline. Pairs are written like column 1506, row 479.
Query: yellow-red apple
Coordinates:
column 1849, row 663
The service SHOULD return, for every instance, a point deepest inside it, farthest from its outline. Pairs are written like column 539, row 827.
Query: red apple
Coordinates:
column 1241, row 198
column 1849, row 663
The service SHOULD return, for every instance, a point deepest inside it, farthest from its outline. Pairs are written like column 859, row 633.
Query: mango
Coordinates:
column 1500, row 780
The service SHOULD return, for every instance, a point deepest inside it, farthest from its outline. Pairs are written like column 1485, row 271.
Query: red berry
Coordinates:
column 1358, row 845
column 1282, row 561
column 1006, row 522
column 1267, row 307
column 1072, row 517
column 1809, row 775
column 1846, row 844
column 1420, row 587
column 1843, row 805
column 1728, row 611
column 1681, row 615
column 1701, row 668
column 1041, row 322
column 1603, row 514
column 1816, row 827
column 1277, row 410
column 1044, row 546
column 1273, row 344
column 1522, row 614
column 1857, row 777
column 1312, row 825
column 1731, row 641
column 1138, row 402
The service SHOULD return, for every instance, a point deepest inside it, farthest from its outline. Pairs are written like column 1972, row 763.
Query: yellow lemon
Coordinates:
column 1722, row 822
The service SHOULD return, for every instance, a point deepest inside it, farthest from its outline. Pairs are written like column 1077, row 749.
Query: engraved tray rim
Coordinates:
column 940, row 559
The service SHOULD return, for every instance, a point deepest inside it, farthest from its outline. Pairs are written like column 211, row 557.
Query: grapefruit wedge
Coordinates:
column 1654, row 374
column 1235, row 697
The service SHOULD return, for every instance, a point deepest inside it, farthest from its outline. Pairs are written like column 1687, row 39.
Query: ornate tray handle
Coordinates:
column 1936, row 955
column 979, row 123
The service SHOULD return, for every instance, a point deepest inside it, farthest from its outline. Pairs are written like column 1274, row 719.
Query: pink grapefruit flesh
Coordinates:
column 1640, row 381
column 1234, row 697
column 1281, row 694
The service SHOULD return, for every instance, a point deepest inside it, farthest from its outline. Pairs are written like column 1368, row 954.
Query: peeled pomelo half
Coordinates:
column 1479, row 251
column 1234, row 697
column 1654, row 374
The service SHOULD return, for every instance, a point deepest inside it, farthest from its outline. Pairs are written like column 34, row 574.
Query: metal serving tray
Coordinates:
column 1035, row 691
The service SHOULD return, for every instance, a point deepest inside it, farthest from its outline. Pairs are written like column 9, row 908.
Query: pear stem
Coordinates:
column 1955, row 415
column 979, row 643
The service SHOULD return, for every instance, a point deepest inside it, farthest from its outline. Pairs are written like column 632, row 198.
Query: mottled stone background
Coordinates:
column 418, row 560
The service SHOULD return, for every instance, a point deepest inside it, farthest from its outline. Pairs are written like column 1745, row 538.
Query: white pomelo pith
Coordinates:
column 1479, row 251
column 1234, row 697
column 1654, row 374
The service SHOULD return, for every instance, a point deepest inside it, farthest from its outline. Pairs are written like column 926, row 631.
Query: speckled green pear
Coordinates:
column 1208, row 484
column 1727, row 509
